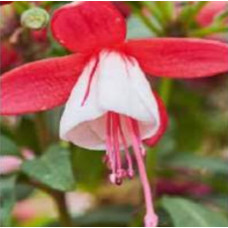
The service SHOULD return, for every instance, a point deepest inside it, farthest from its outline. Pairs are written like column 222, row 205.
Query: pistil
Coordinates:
column 150, row 218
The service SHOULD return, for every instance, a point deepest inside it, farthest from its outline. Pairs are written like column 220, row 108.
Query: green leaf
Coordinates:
column 166, row 8
column 52, row 169
column 89, row 167
column 155, row 11
column 8, row 147
column 193, row 161
column 7, row 196
column 210, row 30
column 186, row 213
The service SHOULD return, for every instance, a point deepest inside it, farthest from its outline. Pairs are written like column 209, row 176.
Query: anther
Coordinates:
column 112, row 178
column 143, row 150
column 130, row 173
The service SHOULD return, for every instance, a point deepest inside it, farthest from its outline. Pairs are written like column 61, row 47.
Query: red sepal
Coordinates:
column 40, row 85
column 163, row 123
column 180, row 57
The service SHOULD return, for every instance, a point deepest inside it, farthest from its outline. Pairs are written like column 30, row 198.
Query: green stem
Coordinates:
column 64, row 216
column 196, row 8
column 190, row 11
column 208, row 31
column 148, row 23
column 166, row 8
column 165, row 90
column 155, row 12
column 42, row 130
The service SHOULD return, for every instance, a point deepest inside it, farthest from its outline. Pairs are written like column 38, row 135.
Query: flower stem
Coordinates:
column 155, row 12
column 166, row 8
column 64, row 216
column 41, row 126
column 165, row 90
column 208, row 31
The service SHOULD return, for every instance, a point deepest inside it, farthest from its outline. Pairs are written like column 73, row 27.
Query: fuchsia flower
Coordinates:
column 109, row 103
column 210, row 11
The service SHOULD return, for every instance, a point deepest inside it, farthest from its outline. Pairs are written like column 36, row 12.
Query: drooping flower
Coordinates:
column 109, row 103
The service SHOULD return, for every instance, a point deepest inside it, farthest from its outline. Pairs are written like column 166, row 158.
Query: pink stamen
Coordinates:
column 130, row 171
column 90, row 82
column 120, row 173
column 109, row 143
column 151, row 219
column 138, row 137
column 115, row 137
column 143, row 150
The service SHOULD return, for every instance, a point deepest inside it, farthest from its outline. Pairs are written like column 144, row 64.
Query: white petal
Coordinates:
column 118, row 85
column 75, row 125
column 123, row 88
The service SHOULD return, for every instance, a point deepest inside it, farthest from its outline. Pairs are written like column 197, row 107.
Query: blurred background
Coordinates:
column 45, row 182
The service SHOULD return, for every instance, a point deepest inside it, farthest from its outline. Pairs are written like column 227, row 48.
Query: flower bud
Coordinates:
column 35, row 18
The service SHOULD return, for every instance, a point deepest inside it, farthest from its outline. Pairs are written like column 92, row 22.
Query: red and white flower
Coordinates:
column 109, row 103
